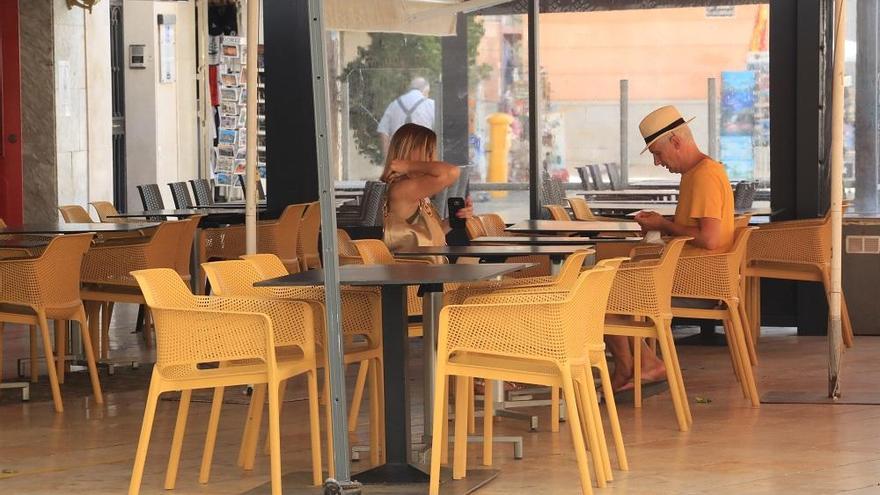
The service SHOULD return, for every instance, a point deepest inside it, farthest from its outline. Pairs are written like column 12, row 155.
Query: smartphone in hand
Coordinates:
column 454, row 205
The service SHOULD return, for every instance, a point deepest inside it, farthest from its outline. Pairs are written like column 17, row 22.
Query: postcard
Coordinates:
column 228, row 136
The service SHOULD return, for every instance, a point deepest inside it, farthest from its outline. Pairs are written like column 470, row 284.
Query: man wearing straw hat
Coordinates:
column 705, row 200
column 704, row 212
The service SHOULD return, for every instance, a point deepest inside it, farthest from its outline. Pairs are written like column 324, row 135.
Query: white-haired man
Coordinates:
column 704, row 212
column 414, row 106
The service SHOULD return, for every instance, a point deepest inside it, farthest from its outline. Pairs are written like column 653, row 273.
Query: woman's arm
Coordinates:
column 424, row 179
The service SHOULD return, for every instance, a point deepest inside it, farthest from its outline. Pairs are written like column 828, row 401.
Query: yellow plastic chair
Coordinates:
column 309, row 230
column 280, row 237
column 474, row 228
column 361, row 328
column 348, row 254
column 640, row 306
column 75, row 214
column 558, row 212
column 532, row 338
column 715, row 280
column 581, row 210
column 791, row 250
column 106, row 273
column 105, row 211
column 493, row 225
column 253, row 341
column 35, row 290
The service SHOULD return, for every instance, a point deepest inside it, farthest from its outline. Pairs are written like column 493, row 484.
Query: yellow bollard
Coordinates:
column 499, row 148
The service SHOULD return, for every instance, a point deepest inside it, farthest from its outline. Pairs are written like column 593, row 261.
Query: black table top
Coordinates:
column 233, row 205
column 183, row 213
column 539, row 240
column 494, row 250
column 401, row 274
column 75, row 228
column 550, row 226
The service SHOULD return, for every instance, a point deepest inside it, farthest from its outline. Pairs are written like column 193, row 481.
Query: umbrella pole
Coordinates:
column 253, row 43
column 835, row 344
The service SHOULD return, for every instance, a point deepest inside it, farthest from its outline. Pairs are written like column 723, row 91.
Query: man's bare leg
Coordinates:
column 653, row 368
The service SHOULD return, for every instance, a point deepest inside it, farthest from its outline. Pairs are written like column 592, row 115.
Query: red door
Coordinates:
column 10, row 115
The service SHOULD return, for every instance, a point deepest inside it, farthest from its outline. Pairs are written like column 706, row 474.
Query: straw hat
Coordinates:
column 659, row 123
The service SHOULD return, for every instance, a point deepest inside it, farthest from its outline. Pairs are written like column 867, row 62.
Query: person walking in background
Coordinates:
column 412, row 107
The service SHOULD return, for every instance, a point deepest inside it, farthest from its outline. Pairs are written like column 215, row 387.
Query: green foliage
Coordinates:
column 383, row 70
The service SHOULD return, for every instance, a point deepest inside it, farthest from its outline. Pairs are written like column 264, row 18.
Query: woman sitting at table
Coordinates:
column 413, row 176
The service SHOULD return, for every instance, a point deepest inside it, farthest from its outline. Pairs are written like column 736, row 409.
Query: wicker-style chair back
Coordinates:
column 151, row 197
column 50, row 281
column 740, row 221
column 112, row 265
column 373, row 203
column 613, row 170
column 581, row 209
column 180, row 194
column 75, row 214
column 374, row 252
column 202, row 191
column 348, row 253
column 537, row 326
column 309, row 230
column 558, row 212
column 744, row 194
column 281, row 237
column 493, row 224
column 268, row 265
column 645, row 288
column 474, row 228
column 586, row 179
column 597, row 176
column 712, row 276
column 105, row 210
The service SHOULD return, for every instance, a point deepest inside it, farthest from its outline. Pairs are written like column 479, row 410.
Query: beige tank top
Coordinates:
column 421, row 229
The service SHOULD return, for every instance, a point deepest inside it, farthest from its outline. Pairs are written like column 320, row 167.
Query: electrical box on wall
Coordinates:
column 137, row 56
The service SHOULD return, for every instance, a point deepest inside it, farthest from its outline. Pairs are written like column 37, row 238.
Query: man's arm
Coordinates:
column 386, row 140
column 706, row 235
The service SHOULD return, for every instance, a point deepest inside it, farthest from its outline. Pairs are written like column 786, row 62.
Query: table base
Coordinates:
column 300, row 482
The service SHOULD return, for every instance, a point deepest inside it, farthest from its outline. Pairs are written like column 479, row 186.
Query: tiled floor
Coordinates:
column 732, row 448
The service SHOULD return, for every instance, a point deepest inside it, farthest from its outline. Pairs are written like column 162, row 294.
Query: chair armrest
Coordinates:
column 293, row 321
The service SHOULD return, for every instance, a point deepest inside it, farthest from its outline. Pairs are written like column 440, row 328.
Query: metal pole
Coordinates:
column 712, row 101
column 834, row 332
column 321, row 96
column 205, row 112
column 867, row 118
column 624, row 132
column 253, row 43
column 535, row 97
column 346, row 163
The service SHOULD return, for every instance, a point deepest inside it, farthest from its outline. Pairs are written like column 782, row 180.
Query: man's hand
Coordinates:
column 468, row 210
column 651, row 220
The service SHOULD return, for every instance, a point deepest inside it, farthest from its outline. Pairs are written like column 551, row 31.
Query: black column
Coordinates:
column 454, row 66
column 291, row 155
column 798, row 177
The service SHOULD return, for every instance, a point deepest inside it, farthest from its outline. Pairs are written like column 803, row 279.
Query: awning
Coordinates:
column 426, row 17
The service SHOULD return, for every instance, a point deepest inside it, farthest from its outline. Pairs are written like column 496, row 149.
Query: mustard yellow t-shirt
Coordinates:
column 705, row 192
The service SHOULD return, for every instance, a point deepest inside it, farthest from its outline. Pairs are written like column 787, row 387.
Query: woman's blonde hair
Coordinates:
column 410, row 140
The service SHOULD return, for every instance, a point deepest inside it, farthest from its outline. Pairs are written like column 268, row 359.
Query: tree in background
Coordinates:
column 383, row 70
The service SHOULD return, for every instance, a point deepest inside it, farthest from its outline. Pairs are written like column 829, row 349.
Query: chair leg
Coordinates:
column 677, row 366
column 250, row 419
column 444, row 446
column 282, row 391
column 554, row 409
column 373, row 378
column 50, row 364
column 315, row 428
column 471, row 416
column 211, row 437
column 380, row 388
column 259, row 397
column 140, row 457
column 591, row 425
column 438, row 441
column 747, row 335
column 1, row 351
column 488, row 426
column 274, row 435
column 35, row 369
column 611, row 404
column 148, row 327
column 90, row 356
column 748, row 374
column 106, row 317
column 577, row 435
column 846, row 323
column 637, row 372
column 358, row 397
column 177, row 439
column 663, row 338
column 459, row 448
column 60, row 348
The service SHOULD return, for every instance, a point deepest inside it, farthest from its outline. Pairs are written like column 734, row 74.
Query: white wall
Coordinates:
column 100, row 106
column 71, row 105
column 161, row 119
